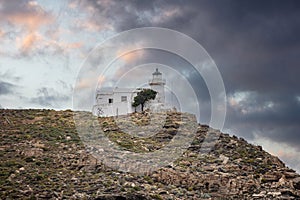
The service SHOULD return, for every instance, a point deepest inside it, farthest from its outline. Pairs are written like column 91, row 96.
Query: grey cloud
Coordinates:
column 279, row 123
column 9, row 75
column 12, row 7
column 6, row 85
column 49, row 97
column 65, row 86
column 6, row 88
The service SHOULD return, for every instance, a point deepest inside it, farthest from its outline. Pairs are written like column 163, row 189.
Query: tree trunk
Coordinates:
column 142, row 107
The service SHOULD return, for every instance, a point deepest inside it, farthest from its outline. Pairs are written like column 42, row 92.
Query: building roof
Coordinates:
column 156, row 72
column 117, row 90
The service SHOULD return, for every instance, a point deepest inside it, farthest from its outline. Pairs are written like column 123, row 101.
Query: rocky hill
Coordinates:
column 42, row 157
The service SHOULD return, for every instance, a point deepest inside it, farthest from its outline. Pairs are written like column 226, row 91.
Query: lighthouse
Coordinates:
column 158, row 84
column 118, row 101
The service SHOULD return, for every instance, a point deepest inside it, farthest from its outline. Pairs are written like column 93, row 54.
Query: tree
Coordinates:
column 143, row 96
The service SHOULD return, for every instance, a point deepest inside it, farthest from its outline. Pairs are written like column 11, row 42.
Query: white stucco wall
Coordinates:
column 118, row 107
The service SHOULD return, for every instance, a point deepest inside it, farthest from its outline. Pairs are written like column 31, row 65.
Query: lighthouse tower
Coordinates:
column 158, row 84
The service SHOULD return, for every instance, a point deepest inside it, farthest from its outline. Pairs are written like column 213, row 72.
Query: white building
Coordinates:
column 118, row 101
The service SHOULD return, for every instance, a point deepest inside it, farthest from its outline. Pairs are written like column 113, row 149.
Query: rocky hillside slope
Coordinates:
column 42, row 157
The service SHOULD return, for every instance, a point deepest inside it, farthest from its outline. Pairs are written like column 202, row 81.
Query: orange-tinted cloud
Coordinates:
column 90, row 82
column 29, row 41
column 128, row 56
column 1, row 33
column 28, row 15
column 74, row 45
column 91, row 25
column 34, row 41
column 31, row 21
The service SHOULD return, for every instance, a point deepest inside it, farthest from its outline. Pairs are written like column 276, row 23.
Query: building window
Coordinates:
column 123, row 98
column 110, row 100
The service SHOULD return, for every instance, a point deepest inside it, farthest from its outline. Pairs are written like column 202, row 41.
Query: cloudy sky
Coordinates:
column 255, row 45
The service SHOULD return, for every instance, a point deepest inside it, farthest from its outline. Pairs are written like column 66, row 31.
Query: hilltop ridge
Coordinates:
column 43, row 157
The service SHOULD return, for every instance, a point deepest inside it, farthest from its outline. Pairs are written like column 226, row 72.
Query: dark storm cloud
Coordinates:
column 273, row 117
column 255, row 44
column 249, row 40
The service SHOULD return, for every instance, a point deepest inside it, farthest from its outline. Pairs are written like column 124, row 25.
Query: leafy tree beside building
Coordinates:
column 144, row 96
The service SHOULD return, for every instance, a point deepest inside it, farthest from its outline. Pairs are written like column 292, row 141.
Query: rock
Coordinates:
column 214, row 187
column 296, row 183
column 270, row 178
column 282, row 181
column 122, row 197
column 208, row 168
column 290, row 175
column 274, row 194
column 261, row 194
column 163, row 192
column 225, row 159
column 206, row 196
column 11, row 177
column 290, row 193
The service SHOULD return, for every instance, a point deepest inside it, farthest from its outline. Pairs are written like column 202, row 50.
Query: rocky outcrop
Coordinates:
column 42, row 157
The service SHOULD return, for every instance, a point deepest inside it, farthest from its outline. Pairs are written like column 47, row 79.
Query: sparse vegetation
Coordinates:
column 43, row 157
